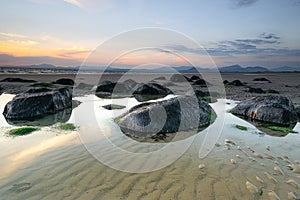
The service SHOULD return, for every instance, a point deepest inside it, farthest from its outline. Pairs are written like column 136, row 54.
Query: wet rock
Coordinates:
column 113, row 107
column 200, row 82
column 130, row 84
column 236, row 83
column 271, row 109
column 271, row 91
column 255, row 90
column 160, row 78
column 20, row 80
column 298, row 111
column 37, row 102
column 64, row 81
column 195, row 78
column 177, row 114
column 178, row 78
column 1, row 90
column 108, row 89
column 262, row 79
column 150, row 91
column 225, row 82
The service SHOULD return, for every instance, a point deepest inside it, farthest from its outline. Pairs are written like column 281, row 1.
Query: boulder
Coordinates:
column 20, row 80
column 236, row 83
column 37, row 102
column 150, row 91
column 112, row 89
column 262, row 79
column 64, row 81
column 200, row 82
column 270, row 109
column 225, row 82
column 298, row 111
column 178, row 78
column 108, row 88
column 160, row 78
column 255, row 90
column 195, row 78
column 181, row 113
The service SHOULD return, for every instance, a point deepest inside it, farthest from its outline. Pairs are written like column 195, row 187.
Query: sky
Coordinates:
column 66, row 32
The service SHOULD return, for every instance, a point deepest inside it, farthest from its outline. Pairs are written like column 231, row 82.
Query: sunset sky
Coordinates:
column 64, row 32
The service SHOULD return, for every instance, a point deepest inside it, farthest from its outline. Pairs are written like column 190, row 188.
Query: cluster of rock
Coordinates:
column 141, row 91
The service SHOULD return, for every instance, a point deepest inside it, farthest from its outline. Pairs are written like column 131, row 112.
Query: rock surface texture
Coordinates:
column 176, row 114
column 271, row 109
column 37, row 102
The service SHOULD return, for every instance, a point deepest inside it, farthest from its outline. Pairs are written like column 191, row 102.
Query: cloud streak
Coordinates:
column 242, row 3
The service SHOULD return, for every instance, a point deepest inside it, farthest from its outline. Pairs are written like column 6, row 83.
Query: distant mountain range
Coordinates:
column 181, row 69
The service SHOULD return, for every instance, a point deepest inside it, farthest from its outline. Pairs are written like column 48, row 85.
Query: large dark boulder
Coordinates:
column 270, row 109
column 200, row 82
column 181, row 113
column 64, row 81
column 150, row 91
column 195, row 78
column 37, row 102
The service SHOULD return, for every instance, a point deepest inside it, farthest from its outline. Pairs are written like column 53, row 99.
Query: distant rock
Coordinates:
column 130, row 84
column 225, row 82
column 200, row 82
column 150, row 91
column 160, row 78
column 195, row 78
column 113, row 107
column 255, row 90
column 178, row 78
column 20, row 80
column 270, row 109
column 37, row 102
column 271, row 91
column 108, row 89
column 236, row 83
column 182, row 113
column 262, row 79
column 64, row 81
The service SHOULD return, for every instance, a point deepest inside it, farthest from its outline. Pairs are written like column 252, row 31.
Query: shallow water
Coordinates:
column 58, row 166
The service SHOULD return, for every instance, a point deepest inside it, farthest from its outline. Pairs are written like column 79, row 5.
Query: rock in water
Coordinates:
column 176, row 114
column 64, row 81
column 271, row 109
column 37, row 102
column 150, row 91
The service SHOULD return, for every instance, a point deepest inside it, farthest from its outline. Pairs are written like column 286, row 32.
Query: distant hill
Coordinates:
column 180, row 69
column 238, row 68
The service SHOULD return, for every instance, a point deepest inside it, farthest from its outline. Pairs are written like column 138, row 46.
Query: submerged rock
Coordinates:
column 37, row 102
column 150, row 91
column 255, row 90
column 64, row 81
column 177, row 114
column 271, row 109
